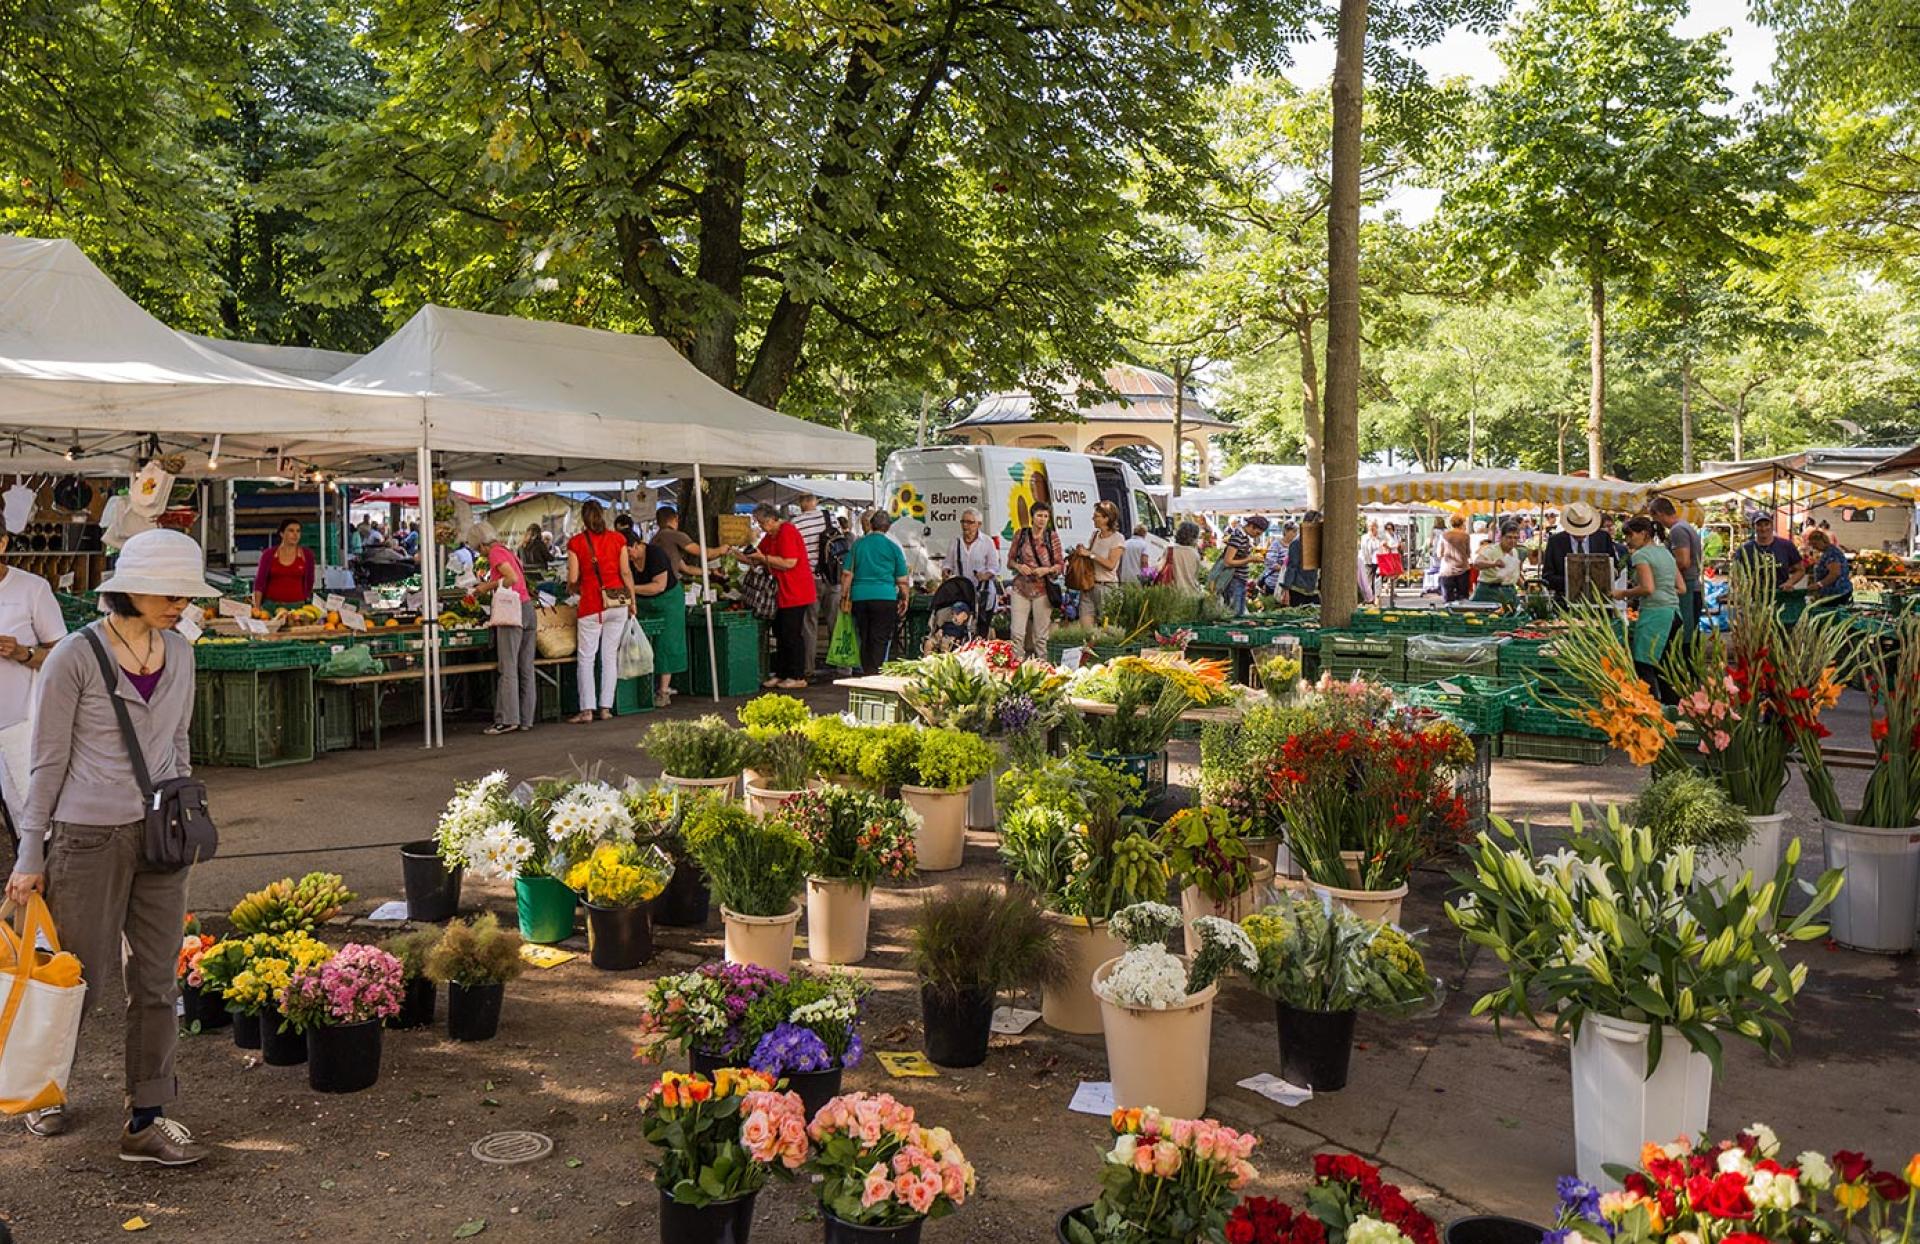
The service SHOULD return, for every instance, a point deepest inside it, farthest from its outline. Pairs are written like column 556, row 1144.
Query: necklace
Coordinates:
column 146, row 662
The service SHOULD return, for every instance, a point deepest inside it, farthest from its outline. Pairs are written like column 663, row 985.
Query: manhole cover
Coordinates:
column 507, row 1148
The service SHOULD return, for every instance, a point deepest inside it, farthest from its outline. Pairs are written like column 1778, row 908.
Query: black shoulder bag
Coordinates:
column 179, row 830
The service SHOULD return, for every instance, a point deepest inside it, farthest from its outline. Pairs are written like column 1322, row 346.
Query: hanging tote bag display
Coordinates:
column 41, row 995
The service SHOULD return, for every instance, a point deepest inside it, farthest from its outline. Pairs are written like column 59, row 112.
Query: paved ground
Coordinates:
column 1466, row 1119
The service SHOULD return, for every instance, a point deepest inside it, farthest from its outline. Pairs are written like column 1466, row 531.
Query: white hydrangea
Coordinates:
column 497, row 852
column 1214, row 931
column 1143, row 923
column 1367, row 1230
column 1148, row 978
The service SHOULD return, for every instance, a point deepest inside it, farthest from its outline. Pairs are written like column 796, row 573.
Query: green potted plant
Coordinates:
column 660, row 815
column 1218, row 875
column 945, row 768
column 1686, row 809
column 706, row 754
column 475, row 960
column 838, row 744
column 855, row 837
column 765, row 716
column 1237, row 760
column 1646, row 972
column 968, row 946
column 421, row 995
column 1321, row 965
column 756, row 868
column 783, row 765
column 890, row 757
column 618, row 882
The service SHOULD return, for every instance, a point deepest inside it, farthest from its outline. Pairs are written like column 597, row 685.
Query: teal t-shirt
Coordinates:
column 877, row 564
column 1664, row 569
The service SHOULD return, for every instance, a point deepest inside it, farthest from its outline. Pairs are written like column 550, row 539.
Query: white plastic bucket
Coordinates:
column 1878, row 907
column 1617, row 1107
column 1761, row 857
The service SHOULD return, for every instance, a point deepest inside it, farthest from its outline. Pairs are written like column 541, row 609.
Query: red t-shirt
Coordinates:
column 285, row 585
column 606, row 552
column 795, row 586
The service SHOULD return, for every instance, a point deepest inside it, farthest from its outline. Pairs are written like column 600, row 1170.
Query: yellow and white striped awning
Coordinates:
column 1487, row 490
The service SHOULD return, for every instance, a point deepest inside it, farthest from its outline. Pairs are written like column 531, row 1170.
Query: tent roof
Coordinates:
column 1502, row 486
column 404, row 494
column 508, row 398
column 1748, row 478
column 847, row 491
column 304, row 362
column 1256, row 486
column 1141, row 395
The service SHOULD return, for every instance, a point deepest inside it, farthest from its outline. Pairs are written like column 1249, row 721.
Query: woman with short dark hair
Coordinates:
column 284, row 577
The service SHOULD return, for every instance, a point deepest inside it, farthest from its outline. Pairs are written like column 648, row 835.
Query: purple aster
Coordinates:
column 790, row 1048
column 1017, row 712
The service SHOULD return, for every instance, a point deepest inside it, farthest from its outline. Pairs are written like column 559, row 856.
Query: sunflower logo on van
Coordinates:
column 1030, row 489
column 907, row 503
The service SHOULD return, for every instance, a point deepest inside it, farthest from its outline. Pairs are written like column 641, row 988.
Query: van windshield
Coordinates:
column 1145, row 511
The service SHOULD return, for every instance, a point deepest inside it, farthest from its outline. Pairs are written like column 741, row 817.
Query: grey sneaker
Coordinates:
column 163, row 1142
column 52, row 1121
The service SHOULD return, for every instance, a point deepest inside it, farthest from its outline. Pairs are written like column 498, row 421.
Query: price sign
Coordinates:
column 230, row 608
column 352, row 619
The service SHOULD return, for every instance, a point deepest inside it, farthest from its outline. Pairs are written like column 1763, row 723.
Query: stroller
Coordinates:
column 955, row 617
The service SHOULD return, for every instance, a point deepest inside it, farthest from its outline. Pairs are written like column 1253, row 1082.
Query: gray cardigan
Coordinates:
column 81, row 773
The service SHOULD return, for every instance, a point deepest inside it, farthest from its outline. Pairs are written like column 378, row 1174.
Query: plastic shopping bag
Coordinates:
column 41, row 995
column 843, row 651
column 636, row 651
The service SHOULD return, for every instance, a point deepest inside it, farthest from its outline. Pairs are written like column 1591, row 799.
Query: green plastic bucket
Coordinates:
column 546, row 909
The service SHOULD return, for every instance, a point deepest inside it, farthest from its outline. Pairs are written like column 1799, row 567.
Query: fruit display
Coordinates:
column 287, row 905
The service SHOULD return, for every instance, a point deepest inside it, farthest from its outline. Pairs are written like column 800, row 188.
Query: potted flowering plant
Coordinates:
column 880, row 1174
column 339, row 1004
column 757, row 869
column 1166, row 1180
column 766, row 716
column 565, row 820
column 251, row 973
column 1237, row 760
column 855, row 838
column 475, row 960
column 1646, row 972
column 945, row 766
column 805, row 1033
column 1207, row 853
column 660, row 814
column 1065, row 835
column 707, row 754
column 1140, row 706
column 476, row 832
column 618, row 882
column 1321, row 964
column 703, row 1012
column 966, row 947
column 1157, row 1008
column 783, row 766
column 720, row 1140
column 986, row 689
column 201, row 1009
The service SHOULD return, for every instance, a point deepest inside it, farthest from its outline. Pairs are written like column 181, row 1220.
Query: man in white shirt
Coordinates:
column 1134, row 555
column 974, row 557
column 811, row 523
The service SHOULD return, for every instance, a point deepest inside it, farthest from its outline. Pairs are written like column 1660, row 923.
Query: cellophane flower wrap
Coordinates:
column 877, row 1166
column 1316, row 955
column 1166, row 1181
column 1150, row 977
column 1350, row 1198
column 721, row 1139
column 620, row 874
column 580, row 818
column 855, row 835
column 1605, row 926
column 479, row 830
column 1745, row 1190
column 357, row 985
column 251, row 973
column 811, row 1023
column 702, row 1009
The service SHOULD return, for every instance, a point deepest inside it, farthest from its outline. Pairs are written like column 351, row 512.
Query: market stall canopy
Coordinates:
column 305, row 362
column 405, row 494
column 1485, row 489
column 512, row 399
column 845, row 491
column 1256, row 486
column 1772, row 482
column 89, row 378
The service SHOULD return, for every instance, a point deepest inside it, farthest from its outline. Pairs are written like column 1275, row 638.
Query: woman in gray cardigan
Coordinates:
column 81, row 832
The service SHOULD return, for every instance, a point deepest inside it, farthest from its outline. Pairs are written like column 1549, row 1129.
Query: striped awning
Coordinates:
column 1487, row 490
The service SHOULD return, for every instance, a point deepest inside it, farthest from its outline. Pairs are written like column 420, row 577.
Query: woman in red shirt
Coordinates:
column 284, row 578
column 599, row 573
column 783, row 551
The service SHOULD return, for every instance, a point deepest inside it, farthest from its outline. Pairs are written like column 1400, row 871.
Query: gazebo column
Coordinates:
column 1169, row 462
column 1203, row 460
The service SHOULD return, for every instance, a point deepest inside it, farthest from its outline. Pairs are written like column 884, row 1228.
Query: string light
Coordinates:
column 213, row 459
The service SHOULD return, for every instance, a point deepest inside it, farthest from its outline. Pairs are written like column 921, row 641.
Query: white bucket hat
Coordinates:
column 160, row 562
column 1580, row 519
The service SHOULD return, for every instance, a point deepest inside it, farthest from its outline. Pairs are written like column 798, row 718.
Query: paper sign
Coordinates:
column 735, row 529
column 546, row 600
column 230, row 608
column 414, row 599
column 1273, row 1088
column 352, row 620
column 195, row 614
column 334, row 600
column 545, row 956
column 188, row 627
column 252, row 626
column 1011, row 1021
column 1071, row 658
column 1093, row 1097
column 906, row 1064
column 395, row 910
column 66, row 580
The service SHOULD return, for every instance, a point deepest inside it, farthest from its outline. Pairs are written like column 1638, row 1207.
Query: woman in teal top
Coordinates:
column 1653, row 580
column 873, row 588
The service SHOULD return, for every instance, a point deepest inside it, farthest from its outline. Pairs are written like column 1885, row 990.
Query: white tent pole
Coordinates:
column 430, row 592
column 321, row 489
column 706, row 591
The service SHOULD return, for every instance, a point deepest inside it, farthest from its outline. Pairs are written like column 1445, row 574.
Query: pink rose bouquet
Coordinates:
column 721, row 1138
column 880, row 1168
column 358, row 985
column 1165, row 1181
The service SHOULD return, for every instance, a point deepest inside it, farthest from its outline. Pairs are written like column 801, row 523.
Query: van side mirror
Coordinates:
column 1163, row 531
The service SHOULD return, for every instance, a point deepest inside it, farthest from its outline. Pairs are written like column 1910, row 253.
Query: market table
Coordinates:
column 376, row 685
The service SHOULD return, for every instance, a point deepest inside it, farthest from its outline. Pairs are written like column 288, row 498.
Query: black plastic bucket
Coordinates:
column 685, row 903
column 722, row 1222
column 958, row 1026
column 433, row 891
column 473, row 1011
column 619, row 938
column 417, row 1005
column 278, row 1047
column 1315, row 1047
column 344, row 1059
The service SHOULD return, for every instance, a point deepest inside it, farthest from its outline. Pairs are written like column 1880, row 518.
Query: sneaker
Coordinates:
column 163, row 1142
column 52, row 1121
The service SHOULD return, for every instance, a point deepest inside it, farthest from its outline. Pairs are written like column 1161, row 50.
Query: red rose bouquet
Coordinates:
column 1350, row 1199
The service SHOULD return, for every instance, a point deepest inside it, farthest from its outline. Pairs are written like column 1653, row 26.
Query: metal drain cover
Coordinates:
column 508, row 1148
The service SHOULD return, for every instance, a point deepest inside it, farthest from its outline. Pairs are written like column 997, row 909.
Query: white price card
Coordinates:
column 335, row 600
column 66, row 580
column 1012, row 1020
column 1071, row 658
column 546, row 600
column 252, row 626
column 188, row 627
column 352, row 619
column 1273, row 1088
column 195, row 613
column 1093, row 1097
column 230, row 608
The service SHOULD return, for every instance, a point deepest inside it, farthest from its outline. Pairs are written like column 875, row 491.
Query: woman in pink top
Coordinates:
column 514, row 691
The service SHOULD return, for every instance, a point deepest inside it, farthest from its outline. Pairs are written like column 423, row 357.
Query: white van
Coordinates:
column 925, row 491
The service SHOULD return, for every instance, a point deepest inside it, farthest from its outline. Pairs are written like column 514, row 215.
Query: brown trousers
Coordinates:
column 114, row 911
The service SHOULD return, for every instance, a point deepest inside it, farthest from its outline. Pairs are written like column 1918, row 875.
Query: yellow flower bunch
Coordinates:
column 616, row 875
column 1391, row 947
column 272, row 959
column 1204, row 681
column 1459, row 745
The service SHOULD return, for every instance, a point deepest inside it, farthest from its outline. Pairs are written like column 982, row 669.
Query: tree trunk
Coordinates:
column 1597, row 406
column 1686, row 415
column 1310, row 423
column 1560, row 445
column 1740, row 431
column 1339, row 538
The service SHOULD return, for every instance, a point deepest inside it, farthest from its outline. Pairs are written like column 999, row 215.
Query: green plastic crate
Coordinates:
column 1150, row 770
column 1421, row 670
column 875, row 708
column 255, row 719
column 738, row 643
column 261, row 654
column 1525, row 717
column 1553, row 747
column 337, row 727
column 1478, row 703
column 633, row 695
column 1527, row 656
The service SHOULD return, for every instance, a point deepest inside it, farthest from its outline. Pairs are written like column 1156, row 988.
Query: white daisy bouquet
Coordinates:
column 479, row 831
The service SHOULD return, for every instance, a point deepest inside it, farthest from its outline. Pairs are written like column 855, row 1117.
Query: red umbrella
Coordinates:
column 403, row 494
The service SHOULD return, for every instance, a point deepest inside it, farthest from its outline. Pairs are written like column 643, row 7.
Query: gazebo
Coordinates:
column 1139, row 413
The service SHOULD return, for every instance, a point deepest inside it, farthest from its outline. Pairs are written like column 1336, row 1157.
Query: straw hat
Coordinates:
column 160, row 562
column 1580, row 519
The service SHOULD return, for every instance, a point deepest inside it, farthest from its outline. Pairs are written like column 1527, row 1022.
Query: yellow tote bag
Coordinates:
column 41, row 995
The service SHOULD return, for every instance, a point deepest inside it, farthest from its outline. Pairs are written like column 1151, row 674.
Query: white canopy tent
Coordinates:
column 1256, row 486
column 1491, row 489
column 845, row 491
column 304, row 362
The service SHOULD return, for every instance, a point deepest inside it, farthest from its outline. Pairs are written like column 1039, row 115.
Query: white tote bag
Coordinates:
column 636, row 651
column 39, row 1021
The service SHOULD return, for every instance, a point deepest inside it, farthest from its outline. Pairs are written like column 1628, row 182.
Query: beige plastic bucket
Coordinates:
column 940, row 843
column 763, row 941
column 1072, row 1007
column 1159, row 1058
column 837, row 917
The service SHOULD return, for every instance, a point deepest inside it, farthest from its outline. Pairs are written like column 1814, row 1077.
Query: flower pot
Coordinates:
column 1072, row 1007
column 1366, row 904
column 1617, row 1106
column 1760, row 856
column 1315, row 1047
column 815, row 1088
column 958, row 1026
column 700, row 1062
column 940, row 840
column 981, row 813
column 201, row 1011
column 763, row 941
column 433, row 890
column 1060, row 1235
column 838, row 913
column 343, row 1059
column 417, row 1006
column 246, row 1031
column 1351, row 861
column 1269, row 849
column 723, row 786
column 722, row 1222
column 546, row 909
column 1493, row 1229
column 619, row 938
column 473, row 1011
column 1159, row 1058
column 686, row 902
column 1876, row 908
column 1194, row 904
column 838, row 1232
column 764, row 802
column 280, row 1046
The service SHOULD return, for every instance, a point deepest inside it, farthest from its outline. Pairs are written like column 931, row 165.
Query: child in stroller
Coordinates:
column 952, row 624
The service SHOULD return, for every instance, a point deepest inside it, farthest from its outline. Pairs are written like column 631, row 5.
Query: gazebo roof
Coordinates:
column 1143, row 396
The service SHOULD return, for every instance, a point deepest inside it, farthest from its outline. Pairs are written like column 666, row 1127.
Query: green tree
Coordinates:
column 1608, row 146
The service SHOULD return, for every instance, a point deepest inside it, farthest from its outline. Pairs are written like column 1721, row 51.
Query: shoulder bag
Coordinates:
column 179, row 829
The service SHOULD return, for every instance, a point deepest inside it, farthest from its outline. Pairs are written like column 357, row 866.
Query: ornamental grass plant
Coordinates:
column 984, row 939
column 699, row 750
column 476, row 952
